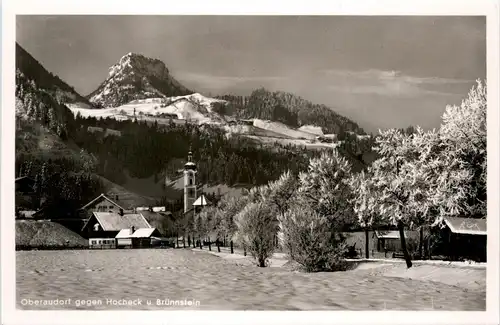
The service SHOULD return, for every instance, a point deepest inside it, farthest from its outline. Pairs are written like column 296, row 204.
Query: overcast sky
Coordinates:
column 380, row 71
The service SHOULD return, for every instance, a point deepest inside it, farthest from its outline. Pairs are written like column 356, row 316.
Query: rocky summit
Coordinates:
column 136, row 77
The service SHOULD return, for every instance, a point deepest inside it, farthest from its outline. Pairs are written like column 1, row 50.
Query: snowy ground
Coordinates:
column 226, row 283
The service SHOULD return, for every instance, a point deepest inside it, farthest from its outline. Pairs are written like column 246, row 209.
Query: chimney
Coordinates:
column 116, row 197
column 121, row 212
column 132, row 230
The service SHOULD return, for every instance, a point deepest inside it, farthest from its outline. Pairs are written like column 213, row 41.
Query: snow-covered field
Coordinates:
column 283, row 129
column 194, row 107
column 313, row 129
column 296, row 142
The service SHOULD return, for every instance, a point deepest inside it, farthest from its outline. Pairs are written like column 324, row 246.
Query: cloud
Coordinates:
column 223, row 82
column 391, row 83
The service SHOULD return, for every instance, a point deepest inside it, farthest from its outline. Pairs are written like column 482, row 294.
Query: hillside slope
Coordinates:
column 47, row 81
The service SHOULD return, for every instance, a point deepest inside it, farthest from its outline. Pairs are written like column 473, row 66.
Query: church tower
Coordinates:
column 189, row 183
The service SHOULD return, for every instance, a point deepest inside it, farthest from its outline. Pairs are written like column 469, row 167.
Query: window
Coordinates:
column 110, row 207
column 100, row 242
column 93, row 242
column 190, row 181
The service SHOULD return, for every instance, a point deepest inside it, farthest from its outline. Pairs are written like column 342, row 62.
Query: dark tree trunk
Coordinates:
column 209, row 244
column 244, row 251
column 403, row 244
column 231, row 243
column 218, row 245
column 367, row 244
column 262, row 262
column 429, row 251
column 201, row 244
column 421, row 244
column 183, row 241
column 189, row 241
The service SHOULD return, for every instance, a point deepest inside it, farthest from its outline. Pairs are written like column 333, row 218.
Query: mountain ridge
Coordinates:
column 34, row 70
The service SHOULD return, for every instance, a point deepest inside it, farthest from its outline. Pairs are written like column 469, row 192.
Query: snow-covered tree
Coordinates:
column 311, row 228
column 462, row 184
column 325, row 186
column 398, row 190
column 309, row 239
column 282, row 190
column 225, row 213
column 256, row 231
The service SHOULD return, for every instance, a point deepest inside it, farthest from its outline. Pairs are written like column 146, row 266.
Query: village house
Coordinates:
column 140, row 238
column 388, row 241
column 25, row 197
column 102, row 203
column 106, row 132
column 154, row 209
column 94, row 129
column 465, row 238
column 109, row 224
column 112, row 132
column 114, row 230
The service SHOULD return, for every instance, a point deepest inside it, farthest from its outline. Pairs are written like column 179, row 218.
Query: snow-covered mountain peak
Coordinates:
column 134, row 77
column 139, row 64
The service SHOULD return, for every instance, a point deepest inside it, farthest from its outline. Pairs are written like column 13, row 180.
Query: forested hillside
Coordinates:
column 146, row 151
column 289, row 109
column 52, row 84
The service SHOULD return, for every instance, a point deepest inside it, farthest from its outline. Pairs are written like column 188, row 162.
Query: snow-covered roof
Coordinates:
column 155, row 209
column 201, row 201
column 143, row 233
column 102, row 196
column 466, row 226
column 391, row 234
column 124, row 233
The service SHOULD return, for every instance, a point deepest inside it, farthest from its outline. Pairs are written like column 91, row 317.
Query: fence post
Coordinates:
column 367, row 244
column 421, row 243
